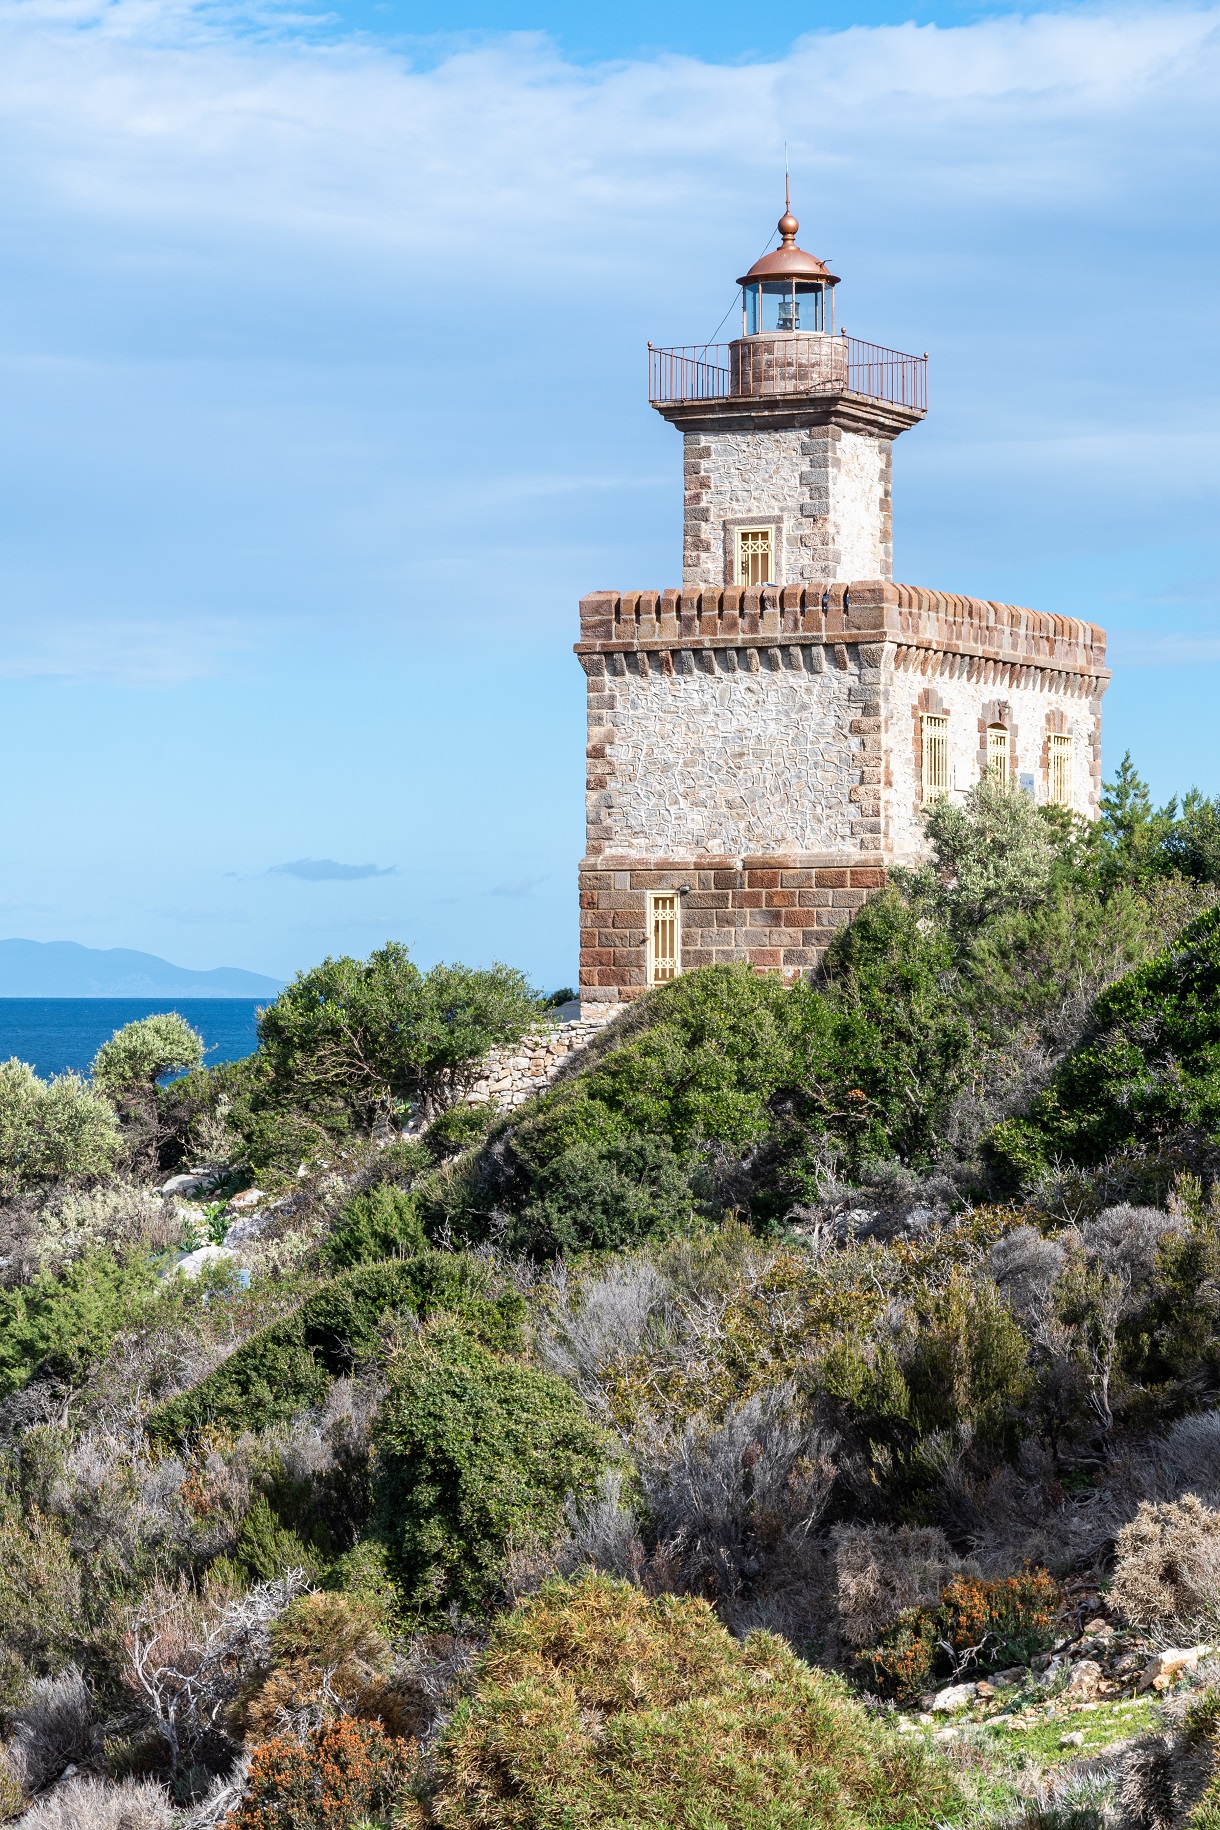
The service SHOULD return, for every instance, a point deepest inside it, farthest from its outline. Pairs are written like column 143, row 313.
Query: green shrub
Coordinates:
column 40, row 1600
column 706, row 1054
column 374, row 1035
column 1149, row 1066
column 56, row 1130
column 979, row 1626
column 137, row 1055
column 289, row 1366
column 475, row 1455
column 383, row 1222
column 883, row 1070
column 1026, row 965
column 994, row 851
column 62, row 1324
column 595, row 1706
column 457, row 1129
column 265, row 1549
column 602, row 1199
column 966, row 1364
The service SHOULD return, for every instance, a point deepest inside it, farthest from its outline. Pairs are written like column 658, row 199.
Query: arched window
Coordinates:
column 935, row 756
column 998, row 761
column 1061, row 771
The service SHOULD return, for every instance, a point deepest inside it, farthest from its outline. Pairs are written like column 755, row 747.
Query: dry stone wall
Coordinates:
column 512, row 1075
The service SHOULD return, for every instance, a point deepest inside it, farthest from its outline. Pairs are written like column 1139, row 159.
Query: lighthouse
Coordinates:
column 788, row 434
column 765, row 739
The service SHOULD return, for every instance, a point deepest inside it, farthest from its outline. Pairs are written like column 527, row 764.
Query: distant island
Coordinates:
column 64, row 969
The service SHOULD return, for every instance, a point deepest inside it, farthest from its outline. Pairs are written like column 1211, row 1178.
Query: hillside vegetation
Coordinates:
column 805, row 1412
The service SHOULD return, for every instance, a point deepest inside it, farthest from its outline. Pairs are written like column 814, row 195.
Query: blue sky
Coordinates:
column 322, row 401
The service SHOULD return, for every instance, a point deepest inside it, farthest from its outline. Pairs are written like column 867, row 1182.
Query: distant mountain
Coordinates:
column 62, row 969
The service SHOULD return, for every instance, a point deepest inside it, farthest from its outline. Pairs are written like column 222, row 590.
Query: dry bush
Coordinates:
column 123, row 1505
column 54, row 1728
column 1024, row 1266
column 96, row 1804
column 1167, row 1568
column 189, row 1656
column 429, row 1679
column 123, row 1215
column 603, row 1533
column 1188, row 1458
column 731, row 1500
column 328, row 1657
column 1124, row 1241
column 340, row 1775
column 600, row 1706
column 601, row 1320
column 882, row 1570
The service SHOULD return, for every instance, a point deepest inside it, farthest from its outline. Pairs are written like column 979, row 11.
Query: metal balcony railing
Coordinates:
column 700, row 371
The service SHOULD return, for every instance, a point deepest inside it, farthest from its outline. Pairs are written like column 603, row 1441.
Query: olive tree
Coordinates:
column 58, row 1130
column 137, row 1055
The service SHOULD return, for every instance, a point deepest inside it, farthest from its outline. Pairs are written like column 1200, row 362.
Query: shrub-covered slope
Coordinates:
column 654, row 1452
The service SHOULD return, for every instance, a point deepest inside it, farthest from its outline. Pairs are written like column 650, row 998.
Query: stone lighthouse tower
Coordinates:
column 788, row 466
column 764, row 739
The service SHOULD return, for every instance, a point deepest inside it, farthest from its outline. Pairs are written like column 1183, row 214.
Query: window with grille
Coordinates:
column 1061, row 770
column 997, row 753
column 755, row 560
column 935, row 755
column 664, row 944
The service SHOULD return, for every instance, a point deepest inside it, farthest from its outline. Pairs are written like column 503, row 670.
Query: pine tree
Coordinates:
column 1126, row 809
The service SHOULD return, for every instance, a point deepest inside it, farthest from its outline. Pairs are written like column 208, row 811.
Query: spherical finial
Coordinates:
column 788, row 226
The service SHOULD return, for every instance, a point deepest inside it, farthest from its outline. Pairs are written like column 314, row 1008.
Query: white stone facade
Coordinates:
column 823, row 491
column 1027, row 712
column 724, row 759
column 760, row 752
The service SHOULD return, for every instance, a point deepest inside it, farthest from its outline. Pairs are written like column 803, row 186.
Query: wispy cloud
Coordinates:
column 119, row 650
column 1161, row 648
column 520, row 887
column 329, row 870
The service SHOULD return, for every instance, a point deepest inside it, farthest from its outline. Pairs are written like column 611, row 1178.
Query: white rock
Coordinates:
column 952, row 1698
column 247, row 1227
column 198, row 1261
column 250, row 1197
column 1074, row 1740
column 182, row 1185
column 1086, row 1676
column 1168, row 1666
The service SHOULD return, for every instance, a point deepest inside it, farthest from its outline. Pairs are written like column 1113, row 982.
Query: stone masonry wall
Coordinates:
column 759, row 752
column 974, row 699
column 513, row 1075
column 731, row 751
column 778, row 912
column 824, row 491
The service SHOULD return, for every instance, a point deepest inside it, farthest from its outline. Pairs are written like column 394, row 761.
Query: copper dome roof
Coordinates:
column 789, row 262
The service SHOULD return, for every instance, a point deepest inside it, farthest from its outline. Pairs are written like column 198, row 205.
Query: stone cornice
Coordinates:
column 791, row 412
column 903, row 621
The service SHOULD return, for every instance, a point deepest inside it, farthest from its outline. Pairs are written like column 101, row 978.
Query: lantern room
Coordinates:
column 787, row 290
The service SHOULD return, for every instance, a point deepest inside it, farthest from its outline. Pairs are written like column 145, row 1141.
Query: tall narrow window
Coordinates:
column 664, row 938
column 755, row 559
column 1061, row 770
column 997, row 754
column 935, row 755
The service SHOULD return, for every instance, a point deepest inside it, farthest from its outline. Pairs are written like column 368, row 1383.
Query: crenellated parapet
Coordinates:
column 920, row 627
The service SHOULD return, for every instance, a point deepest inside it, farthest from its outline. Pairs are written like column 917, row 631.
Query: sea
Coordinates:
column 55, row 1034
